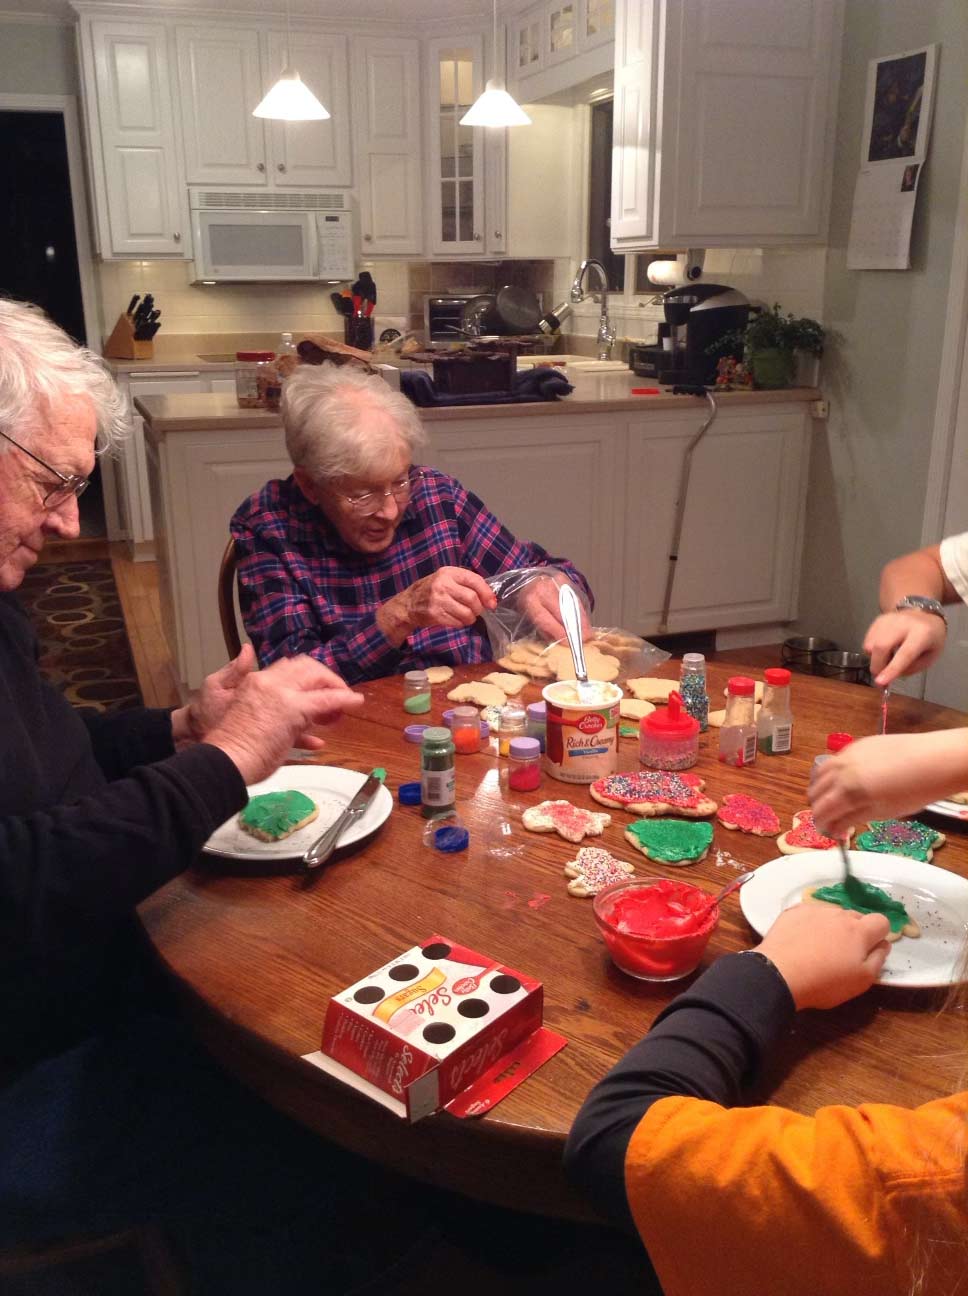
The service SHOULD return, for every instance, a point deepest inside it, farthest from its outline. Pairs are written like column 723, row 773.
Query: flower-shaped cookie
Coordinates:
column 803, row 836
column 567, row 820
column 908, row 837
column 654, row 792
column 593, row 869
column 670, row 841
column 745, row 813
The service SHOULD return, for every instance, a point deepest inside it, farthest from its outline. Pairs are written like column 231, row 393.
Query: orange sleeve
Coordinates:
column 763, row 1199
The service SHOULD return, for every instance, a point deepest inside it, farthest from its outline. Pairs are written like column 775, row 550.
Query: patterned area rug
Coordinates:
column 84, row 649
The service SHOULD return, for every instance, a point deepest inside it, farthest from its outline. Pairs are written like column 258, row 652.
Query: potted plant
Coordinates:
column 770, row 342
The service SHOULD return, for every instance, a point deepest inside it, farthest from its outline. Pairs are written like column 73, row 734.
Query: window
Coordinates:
column 600, row 195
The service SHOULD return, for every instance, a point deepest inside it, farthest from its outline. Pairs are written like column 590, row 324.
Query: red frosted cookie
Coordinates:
column 567, row 820
column 803, row 836
column 748, row 815
column 655, row 792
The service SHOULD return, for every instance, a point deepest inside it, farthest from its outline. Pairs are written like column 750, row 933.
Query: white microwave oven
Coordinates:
column 260, row 237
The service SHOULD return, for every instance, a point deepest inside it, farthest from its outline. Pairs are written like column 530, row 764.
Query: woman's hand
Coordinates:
column 452, row 597
column 903, row 643
column 825, row 954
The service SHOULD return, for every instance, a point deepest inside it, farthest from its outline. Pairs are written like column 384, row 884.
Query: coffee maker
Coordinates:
column 696, row 318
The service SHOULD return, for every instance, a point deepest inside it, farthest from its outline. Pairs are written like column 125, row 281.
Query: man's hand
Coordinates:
column 539, row 601
column 191, row 723
column 452, row 597
column 274, row 709
column 825, row 954
column 888, row 775
column 903, row 643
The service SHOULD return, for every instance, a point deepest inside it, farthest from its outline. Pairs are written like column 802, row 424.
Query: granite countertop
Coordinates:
column 193, row 412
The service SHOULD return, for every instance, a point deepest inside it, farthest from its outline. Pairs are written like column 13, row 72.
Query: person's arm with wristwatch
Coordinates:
column 909, row 635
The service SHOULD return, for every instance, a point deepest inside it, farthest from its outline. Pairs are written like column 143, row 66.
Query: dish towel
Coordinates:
column 540, row 384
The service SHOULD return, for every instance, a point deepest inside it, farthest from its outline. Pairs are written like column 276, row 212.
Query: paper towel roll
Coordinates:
column 667, row 274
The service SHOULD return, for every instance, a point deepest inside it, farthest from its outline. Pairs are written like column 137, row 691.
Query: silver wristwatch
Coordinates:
column 921, row 603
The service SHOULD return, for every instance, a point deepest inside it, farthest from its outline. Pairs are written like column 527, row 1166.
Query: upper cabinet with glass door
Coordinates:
column 558, row 44
column 466, row 186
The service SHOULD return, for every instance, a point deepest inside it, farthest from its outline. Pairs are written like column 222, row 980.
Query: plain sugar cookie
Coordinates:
column 633, row 709
column 479, row 693
column 649, row 689
column 509, row 683
column 439, row 674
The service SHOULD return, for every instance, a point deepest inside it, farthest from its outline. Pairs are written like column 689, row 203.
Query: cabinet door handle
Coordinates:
column 280, row 166
column 367, row 238
column 477, row 238
column 260, row 166
column 176, row 237
column 498, row 234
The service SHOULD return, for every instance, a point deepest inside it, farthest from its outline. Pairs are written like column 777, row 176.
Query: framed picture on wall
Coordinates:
column 900, row 94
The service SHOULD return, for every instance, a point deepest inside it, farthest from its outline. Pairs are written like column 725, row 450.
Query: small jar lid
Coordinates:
column 524, row 749
column 416, row 677
column 777, row 676
column 465, row 715
column 838, row 741
column 409, row 793
column 485, row 729
column 437, row 734
column 670, row 722
column 512, row 713
column 741, row 686
column 693, row 659
column 538, row 711
column 414, row 733
column 450, row 839
column 255, row 357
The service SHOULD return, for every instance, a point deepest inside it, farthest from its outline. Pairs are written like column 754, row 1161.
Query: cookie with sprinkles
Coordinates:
column 655, row 792
column 907, row 837
column 804, row 836
column 593, row 869
column 742, row 813
column 567, row 820
column 671, row 841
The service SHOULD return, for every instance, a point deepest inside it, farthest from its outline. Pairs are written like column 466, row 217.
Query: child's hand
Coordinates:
column 826, row 955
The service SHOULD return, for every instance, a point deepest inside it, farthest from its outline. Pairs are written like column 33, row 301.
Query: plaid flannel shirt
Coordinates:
column 304, row 590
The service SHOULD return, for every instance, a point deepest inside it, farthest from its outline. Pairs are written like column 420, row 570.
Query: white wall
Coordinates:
column 869, row 465
column 37, row 58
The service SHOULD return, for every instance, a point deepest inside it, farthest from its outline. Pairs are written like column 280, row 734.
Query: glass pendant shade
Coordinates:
column 495, row 107
column 290, row 99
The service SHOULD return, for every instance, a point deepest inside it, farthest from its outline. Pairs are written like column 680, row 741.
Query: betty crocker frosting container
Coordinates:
column 582, row 738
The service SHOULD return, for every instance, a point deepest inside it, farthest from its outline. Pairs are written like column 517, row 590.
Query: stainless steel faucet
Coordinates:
column 606, row 334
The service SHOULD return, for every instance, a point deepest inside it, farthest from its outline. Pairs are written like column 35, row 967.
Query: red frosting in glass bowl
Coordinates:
column 654, row 929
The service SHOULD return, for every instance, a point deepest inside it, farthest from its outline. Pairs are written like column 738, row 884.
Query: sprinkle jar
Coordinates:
column 466, row 728
column 511, row 724
column 437, row 781
column 416, row 692
column 669, row 737
column 536, row 724
column 523, row 770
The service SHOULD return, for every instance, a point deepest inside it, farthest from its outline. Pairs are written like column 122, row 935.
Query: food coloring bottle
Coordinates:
column 737, row 738
column 692, row 687
column 437, row 781
column 774, row 724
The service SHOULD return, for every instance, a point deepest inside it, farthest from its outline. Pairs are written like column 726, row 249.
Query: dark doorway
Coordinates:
column 38, row 245
column 600, row 196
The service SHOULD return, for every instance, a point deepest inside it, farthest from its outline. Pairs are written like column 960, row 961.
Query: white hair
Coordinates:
column 40, row 366
column 342, row 422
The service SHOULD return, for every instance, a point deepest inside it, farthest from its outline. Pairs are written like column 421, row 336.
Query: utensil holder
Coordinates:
column 358, row 332
column 123, row 345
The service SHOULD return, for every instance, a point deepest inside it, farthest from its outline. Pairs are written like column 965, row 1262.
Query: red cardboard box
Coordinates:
column 439, row 1026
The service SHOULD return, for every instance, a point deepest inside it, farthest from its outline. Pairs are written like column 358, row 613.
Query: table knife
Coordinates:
column 324, row 846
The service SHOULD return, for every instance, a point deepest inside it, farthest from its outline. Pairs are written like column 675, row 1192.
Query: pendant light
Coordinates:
column 495, row 107
column 290, row 99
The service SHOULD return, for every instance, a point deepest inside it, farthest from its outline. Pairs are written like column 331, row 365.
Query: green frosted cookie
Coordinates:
column 908, row 837
column 671, row 841
column 275, row 815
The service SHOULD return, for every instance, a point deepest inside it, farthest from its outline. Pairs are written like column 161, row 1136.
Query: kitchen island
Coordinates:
column 595, row 480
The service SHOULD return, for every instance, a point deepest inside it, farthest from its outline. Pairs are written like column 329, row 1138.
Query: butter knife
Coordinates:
column 324, row 845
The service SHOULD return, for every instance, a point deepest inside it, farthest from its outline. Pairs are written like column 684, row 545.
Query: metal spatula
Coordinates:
column 570, row 610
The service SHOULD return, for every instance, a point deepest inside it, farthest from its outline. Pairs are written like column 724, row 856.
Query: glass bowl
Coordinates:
column 651, row 929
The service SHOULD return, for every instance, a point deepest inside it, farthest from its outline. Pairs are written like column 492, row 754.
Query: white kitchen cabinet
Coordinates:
column 389, row 174
column 739, row 557
column 140, row 198
column 724, row 122
column 544, row 183
column 223, row 72
column 559, row 44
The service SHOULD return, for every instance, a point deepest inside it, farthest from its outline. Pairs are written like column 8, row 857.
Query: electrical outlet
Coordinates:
column 820, row 409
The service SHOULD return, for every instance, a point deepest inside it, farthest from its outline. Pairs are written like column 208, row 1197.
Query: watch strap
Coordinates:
column 921, row 603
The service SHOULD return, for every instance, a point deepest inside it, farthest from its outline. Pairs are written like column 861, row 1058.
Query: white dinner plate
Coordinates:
column 330, row 787
column 935, row 898
column 950, row 810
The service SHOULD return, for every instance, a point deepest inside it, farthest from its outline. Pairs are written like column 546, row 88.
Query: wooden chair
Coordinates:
column 226, row 600
column 21, row 1267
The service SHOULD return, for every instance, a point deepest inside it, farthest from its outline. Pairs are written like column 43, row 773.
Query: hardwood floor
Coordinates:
column 138, row 589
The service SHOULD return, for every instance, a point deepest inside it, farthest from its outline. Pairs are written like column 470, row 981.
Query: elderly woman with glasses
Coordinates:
column 373, row 565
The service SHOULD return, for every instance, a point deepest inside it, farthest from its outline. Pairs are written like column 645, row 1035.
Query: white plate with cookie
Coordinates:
column 936, row 899
column 330, row 787
column 950, row 809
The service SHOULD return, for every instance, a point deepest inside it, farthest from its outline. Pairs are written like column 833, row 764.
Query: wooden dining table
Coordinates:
column 257, row 954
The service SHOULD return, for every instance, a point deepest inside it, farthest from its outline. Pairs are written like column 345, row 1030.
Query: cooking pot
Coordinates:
column 509, row 311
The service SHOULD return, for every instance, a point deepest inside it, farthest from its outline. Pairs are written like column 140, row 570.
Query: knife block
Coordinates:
column 123, row 345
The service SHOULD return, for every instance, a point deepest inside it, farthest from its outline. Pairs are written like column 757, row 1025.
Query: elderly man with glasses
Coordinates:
column 370, row 564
